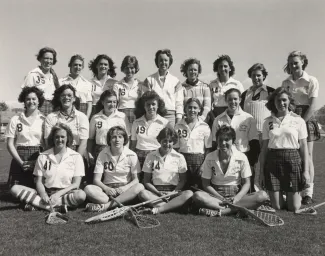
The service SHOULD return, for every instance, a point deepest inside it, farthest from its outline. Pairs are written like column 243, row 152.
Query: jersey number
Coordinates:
column 39, row 80
column 108, row 166
column 19, row 127
column 182, row 133
column 213, row 170
column 157, row 167
column 215, row 90
column 122, row 92
column 47, row 165
column 141, row 129
column 93, row 87
column 99, row 124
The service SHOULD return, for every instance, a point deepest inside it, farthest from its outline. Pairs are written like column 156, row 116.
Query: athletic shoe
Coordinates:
column 209, row 212
column 29, row 208
column 145, row 211
column 265, row 208
column 307, row 200
column 61, row 209
column 90, row 207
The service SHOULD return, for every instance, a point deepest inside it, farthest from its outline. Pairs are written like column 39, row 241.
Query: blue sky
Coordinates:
column 249, row 31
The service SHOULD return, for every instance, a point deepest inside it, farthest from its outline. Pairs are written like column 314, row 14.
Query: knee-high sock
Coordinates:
column 69, row 200
column 309, row 191
column 32, row 198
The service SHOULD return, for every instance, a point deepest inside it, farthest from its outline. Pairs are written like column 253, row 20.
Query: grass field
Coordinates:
column 25, row 233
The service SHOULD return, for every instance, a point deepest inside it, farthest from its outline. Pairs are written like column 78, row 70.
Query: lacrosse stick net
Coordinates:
column 55, row 218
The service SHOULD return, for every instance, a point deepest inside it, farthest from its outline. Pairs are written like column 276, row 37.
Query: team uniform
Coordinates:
column 283, row 167
column 171, row 91
column 28, row 142
column 83, row 90
column 37, row 78
column 145, row 133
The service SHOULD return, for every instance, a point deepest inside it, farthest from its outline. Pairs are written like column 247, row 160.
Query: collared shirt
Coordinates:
column 59, row 174
column 100, row 124
column 37, row 78
column 200, row 91
column 78, row 123
column 117, row 170
column 24, row 132
column 146, row 132
column 218, row 91
column 127, row 94
column 98, row 88
column 82, row 85
column 303, row 88
column 244, row 125
column 165, row 170
column 285, row 134
column 193, row 141
column 170, row 90
column 238, row 168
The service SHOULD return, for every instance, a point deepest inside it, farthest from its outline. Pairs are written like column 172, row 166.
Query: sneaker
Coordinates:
column 61, row 209
column 306, row 200
column 209, row 212
column 29, row 208
column 90, row 207
column 145, row 211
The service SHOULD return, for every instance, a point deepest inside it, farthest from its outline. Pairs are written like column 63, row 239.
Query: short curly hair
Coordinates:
column 226, row 131
column 218, row 61
column 277, row 92
column 164, row 51
column 197, row 101
column 45, row 50
column 293, row 54
column 76, row 57
column 27, row 90
column 120, row 129
column 257, row 66
column 168, row 132
column 130, row 60
column 103, row 96
column 187, row 63
column 111, row 66
column 55, row 129
column 149, row 95
column 56, row 102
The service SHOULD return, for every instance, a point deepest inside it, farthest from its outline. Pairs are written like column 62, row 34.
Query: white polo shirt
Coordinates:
column 165, row 172
column 170, row 90
column 303, row 88
column 100, row 124
column 218, row 91
column 193, row 141
column 98, row 88
column 285, row 134
column 78, row 123
column 238, row 168
column 24, row 132
column 59, row 175
column 117, row 170
column 82, row 85
column 244, row 125
column 146, row 132
column 127, row 95
column 37, row 78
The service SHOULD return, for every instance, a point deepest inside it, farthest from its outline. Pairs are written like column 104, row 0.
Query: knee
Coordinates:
column 198, row 197
column 187, row 194
column 15, row 190
column 90, row 190
column 80, row 196
column 138, row 188
column 261, row 196
column 144, row 195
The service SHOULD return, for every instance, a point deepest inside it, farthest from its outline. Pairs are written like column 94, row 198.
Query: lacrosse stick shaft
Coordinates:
column 117, row 202
column 307, row 208
column 154, row 200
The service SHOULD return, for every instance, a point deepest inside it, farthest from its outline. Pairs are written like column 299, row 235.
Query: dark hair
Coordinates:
column 149, row 95
column 103, row 96
column 271, row 100
column 76, row 57
column 164, row 51
column 218, row 61
column 187, row 63
column 130, row 60
column 167, row 132
column 111, row 67
column 257, row 66
column 232, row 90
column 57, row 127
column 293, row 54
column 56, row 102
column 196, row 100
column 117, row 128
column 27, row 90
column 226, row 131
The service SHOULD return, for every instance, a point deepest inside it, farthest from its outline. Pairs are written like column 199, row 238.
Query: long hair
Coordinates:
column 111, row 67
column 149, row 95
column 271, row 100
column 293, row 54
column 57, row 127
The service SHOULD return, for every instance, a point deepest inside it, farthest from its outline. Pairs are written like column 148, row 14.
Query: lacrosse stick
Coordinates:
column 117, row 212
column 264, row 218
column 307, row 209
column 55, row 218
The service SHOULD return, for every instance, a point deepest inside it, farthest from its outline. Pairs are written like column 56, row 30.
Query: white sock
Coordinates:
column 309, row 191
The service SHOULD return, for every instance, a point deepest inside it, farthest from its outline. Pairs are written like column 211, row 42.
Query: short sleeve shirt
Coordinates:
column 98, row 88
column 83, row 87
column 165, row 172
column 59, row 175
column 127, row 95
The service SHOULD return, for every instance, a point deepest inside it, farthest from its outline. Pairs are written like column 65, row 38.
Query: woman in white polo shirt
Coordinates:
column 81, row 84
column 150, row 109
column 58, row 174
column 284, row 156
column 226, row 173
column 24, row 135
column 115, row 175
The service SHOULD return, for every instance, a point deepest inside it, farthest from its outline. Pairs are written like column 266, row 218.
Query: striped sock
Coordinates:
column 30, row 197
column 69, row 200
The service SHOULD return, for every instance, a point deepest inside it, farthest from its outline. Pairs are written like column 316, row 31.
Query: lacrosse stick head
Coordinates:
column 266, row 218
column 56, row 218
column 140, row 220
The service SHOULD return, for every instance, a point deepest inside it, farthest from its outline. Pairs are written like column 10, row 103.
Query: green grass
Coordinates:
column 25, row 233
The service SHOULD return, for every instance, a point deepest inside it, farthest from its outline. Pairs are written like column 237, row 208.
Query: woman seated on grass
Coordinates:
column 58, row 174
column 164, row 172
column 226, row 173
column 115, row 175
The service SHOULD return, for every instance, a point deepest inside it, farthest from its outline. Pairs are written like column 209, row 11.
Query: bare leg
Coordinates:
column 293, row 201
column 277, row 200
column 96, row 195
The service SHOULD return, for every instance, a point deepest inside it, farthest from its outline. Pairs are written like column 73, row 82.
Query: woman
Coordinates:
column 24, row 135
column 104, row 71
column 284, row 156
column 115, row 174
column 83, row 86
column 225, row 70
column 149, row 111
column 226, row 173
column 304, row 89
column 103, row 121
column 129, row 89
column 44, row 77
column 167, row 86
column 58, row 174
column 193, row 87
column 194, row 140
column 165, row 171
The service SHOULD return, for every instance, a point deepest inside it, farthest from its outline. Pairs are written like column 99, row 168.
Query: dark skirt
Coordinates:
column 46, row 108
column 283, row 170
column 312, row 125
column 227, row 190
column 83, row 107
column 142, row 154
column 194, row 162
column 213, row 114
column 129, row 112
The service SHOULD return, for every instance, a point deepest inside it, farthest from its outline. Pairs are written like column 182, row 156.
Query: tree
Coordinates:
column 3, row 107
column 320, row 115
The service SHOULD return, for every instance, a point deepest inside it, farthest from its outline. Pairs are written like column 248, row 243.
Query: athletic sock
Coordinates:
column 69, row 200
column 155, row 210
column 30, row 197
column 309, row 191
